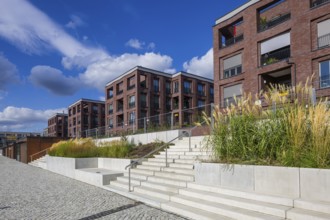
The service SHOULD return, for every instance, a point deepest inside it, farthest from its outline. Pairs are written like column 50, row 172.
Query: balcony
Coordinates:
column 131, row 104
column 175, row 106
column 131, row 121
column 323, row 41
column 110, row 96
column 120, row 109
column 156, row 88
column 275, row 56
column 143, row 84
column 265, row 25
column 317, row 3
column 201, row 93
column 168, row 107
column 232, row 41
column 187, row 90
column 110, row 111
column 168, row 91
column 119, row 92
column 156, row 106
column 143, row 104
column 176, row 89
column 130, row 87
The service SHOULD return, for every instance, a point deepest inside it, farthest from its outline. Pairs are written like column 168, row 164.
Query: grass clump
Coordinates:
column 295, row 134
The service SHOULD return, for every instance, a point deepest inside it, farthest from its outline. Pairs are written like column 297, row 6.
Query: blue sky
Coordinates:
column 54, row 52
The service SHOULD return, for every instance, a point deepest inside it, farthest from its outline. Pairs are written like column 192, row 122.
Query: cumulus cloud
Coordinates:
column 202, row 66
column 8, row 73
column 139, row 45
column 99, row 73
column 14, row 118
column 75, row 21
column 54, row 80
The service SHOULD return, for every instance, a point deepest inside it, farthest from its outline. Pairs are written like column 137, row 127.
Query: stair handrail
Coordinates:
column 134, row 162
column 32, row 155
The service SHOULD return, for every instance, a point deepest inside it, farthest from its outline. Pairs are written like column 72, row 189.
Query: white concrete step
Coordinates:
column 169, row 181
column 122, row 185
column 316, row 206
column 221, row 209
column 137, row 176
column 244, row 194
column 179, row 170
column 303, row 214
column 194, row 157
column 148, row 167
column 142, row 171
column 162, row 156
column 153, row 192
column 134, row 181
column 253, row 205
column 181, row 165
column 198, row 153
column 172, row 153
column 185, row 161
column 195, row 213
column 158, row 164
column 177, row 176
column 185, row 149
column 162, row 186
column 160, row 160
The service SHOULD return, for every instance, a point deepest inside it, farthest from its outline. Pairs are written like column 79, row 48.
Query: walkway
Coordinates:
column 27, row 192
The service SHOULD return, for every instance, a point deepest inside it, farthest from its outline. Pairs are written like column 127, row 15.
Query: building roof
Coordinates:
column 158, row 73
column 58, row 114
column 236, row 11
column 87, row 100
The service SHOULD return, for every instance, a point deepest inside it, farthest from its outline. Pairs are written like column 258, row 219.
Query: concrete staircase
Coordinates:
column 40, row 162
column 173, row 189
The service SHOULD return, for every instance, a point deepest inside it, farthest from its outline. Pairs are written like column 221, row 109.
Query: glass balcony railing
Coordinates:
column 275, row 56
column 265, row 25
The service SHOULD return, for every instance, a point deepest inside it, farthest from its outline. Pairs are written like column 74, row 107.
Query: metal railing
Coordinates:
column 274, row 22
column 135, row 162
column 323, row 41
column 316, row 3
column 232, row 41
column 40, row 153
column 275, row 56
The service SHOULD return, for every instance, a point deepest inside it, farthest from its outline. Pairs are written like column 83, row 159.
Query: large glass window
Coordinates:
column 323, row 33
column 200, row 89
column 229, row 94
column 131, row 101
column 156, row 102
column 131, row 83
column 156, row 85
column 176, row 87
column 187, row 87
column 110, row 108
column 110, row 123
column 325, row 74
column 168, row 87
column 110, row 93
column 131, row 118
column 143, row 100
column 232, row 66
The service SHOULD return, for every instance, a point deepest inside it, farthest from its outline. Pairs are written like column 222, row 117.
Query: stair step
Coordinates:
column 134, row 181
column 181, row 165
column 159, row 164
column 316, row 206
column 137, row 176
column 147, row 167
column 168, row 156
column 179, row 170
column 169, row 181
column 253, row 205
column 162, row 186
column 184, row 149
column 161, row 160
column 173, row 153
column 243, row 194
column 123, row 185
column 303, row 214
column 194, row 157
column 187, row 211
column 143, row 171
column 221, row 209
column 153, row 192
column 177, row 176
column 185, row 161
column 198, row 153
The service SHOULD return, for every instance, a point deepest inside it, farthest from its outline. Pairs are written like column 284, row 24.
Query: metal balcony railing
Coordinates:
column 324, row 41
column 232, row 41
column 274, row 22
column 276, row 56
column 316, row 3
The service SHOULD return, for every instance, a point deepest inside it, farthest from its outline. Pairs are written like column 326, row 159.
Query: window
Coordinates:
column 95, row 109
column 200, row 103
column 143, row 100
column 187, row 87
column 131, row 83
column 229, row 94
column 168, row 104
column 110, row 123
column 323, row 33
column 275, row 49
column 110, row 108
column 131, row 118
column 156, row 102
column 232, row 66
column 120, row 88
column 176, row 87
column 168, row 87
column 200, row 89
column 131, row 101
column 325, row 74
column 156, row 85
column 143, row 80
column 110, row 93
column 211, row 91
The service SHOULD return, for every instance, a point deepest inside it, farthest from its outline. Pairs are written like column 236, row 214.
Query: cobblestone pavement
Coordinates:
column 28, row 192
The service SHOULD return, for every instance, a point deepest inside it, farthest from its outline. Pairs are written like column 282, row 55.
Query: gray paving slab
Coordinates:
column 27, row 192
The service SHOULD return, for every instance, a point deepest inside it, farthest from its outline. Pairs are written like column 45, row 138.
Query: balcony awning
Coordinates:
column 275, row 43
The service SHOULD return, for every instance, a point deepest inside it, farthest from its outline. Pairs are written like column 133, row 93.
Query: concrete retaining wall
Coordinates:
column 146, row 138
column 311, row 184
column 113, row 164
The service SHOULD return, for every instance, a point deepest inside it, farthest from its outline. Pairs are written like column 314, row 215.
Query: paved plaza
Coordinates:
column 28, row 192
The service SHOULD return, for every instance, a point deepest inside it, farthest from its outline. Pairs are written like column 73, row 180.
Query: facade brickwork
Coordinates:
column 305, row 53
column 58, row 125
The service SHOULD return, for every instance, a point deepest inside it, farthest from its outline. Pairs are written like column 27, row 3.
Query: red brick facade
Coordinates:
column 258, row 22
column 58, row 125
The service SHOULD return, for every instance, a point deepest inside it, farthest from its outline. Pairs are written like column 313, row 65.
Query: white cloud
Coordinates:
column 8, row 73
column 99, row 73
column 54, row 80
column 75, row 22
column 202, row 66
column 151, row 46
column 14, row 118
column 135, row 43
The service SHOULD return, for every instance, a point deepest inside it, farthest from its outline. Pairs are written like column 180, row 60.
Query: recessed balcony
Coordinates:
column 265, row 25
column 317, row 3
column 275, row 56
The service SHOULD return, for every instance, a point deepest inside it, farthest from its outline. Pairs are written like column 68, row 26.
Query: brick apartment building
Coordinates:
column 58, row 125
column 83, row 115
column 163, row 98
column 272, row 41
